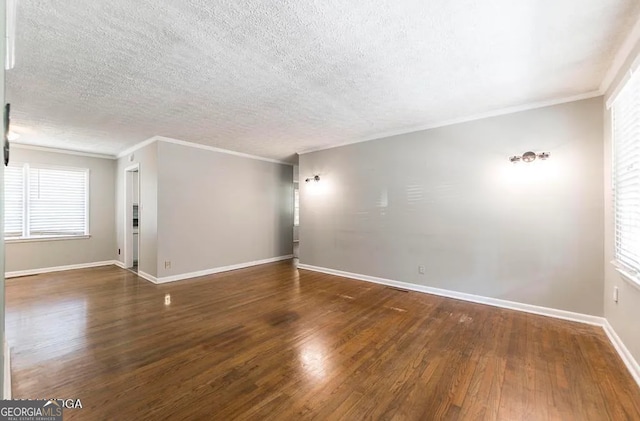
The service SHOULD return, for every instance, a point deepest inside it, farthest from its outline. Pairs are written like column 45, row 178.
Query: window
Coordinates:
column 43, row 202
column 296, row 205
column 626, row 176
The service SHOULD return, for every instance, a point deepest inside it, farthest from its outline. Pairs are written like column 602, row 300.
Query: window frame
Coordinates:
column 296, row 204
column 629, row 273
column 25, row 237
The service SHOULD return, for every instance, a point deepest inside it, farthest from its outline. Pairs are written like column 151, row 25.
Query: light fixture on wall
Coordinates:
column 314, row 178
column 529, row 157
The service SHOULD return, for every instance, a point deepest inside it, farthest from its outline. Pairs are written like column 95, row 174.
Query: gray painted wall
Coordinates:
column 100, row 247
column 624, row 316
column 449, row 199
column 147, row 158
column 217, row 209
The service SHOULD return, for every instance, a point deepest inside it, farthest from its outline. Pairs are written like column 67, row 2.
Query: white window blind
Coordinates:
column 626, row 175
column 45, row 202
column 14, row 202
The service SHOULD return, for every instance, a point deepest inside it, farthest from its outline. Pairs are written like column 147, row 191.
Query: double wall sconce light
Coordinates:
column 529, row 157
column 314, row 178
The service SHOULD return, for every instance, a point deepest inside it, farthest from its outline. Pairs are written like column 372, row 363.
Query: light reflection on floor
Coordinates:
column 313, row 359
column 60, row 326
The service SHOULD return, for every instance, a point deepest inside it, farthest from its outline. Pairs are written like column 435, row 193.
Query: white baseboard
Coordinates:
column 205, row 272
column 6, row 385
column 496, row 302
column 28, row 272
column 119, row 264
column 145, row 275
column 625, row 354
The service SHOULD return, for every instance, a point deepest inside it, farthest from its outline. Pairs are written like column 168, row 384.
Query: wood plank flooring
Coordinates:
column 272, row 342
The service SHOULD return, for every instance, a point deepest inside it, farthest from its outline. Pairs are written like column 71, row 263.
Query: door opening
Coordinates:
column 132, row 217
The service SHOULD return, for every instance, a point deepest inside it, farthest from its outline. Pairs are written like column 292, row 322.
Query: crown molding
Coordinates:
column 621, row 57
column 451, row 122
column 219, row 150
column 137, row 146
column 197, row 146
column 16, row 145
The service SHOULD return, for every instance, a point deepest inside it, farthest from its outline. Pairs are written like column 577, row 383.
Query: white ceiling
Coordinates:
column 272, row 78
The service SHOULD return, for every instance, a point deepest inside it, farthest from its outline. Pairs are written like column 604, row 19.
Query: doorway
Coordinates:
column 132, row 217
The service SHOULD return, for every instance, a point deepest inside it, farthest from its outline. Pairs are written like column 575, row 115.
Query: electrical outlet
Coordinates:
column 421, row 270
column 118, row 252
column 615, row 294
column 167, row 264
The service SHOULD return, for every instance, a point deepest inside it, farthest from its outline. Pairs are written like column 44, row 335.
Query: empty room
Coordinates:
column 407, row 210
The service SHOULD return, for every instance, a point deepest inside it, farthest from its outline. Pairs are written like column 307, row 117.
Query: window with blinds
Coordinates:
column 626, row 175
column 45, row 202
column 14, row 202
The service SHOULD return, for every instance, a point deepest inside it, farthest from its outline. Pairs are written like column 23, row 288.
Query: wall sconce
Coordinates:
column 314, row 178
column 529, row 157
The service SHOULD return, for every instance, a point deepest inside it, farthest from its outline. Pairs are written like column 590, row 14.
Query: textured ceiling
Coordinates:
column 272, row 78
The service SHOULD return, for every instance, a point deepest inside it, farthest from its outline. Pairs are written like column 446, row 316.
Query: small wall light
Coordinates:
column 529, row 157
column 12, row 135
column 314, row 178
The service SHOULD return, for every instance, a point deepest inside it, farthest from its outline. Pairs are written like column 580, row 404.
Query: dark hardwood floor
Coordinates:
column 272, row 342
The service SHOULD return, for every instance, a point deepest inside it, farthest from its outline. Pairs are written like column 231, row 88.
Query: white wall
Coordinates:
column 100, row 247
column 624, row 316
column 450, row 200
column 217, row 209
column 147, row 158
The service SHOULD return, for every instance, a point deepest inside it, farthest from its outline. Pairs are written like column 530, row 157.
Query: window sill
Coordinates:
column 629, row 277
column 51, row 238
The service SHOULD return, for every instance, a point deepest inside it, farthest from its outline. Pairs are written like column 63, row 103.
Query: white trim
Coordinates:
column 627, row 274
column 197, row 146
column 16, row 145
column 137, row 146
column 621, row 57
column 6, row 385
column 494, row 113
column 205, row 272
column 623, row 82
column 145, row 275
column 11, row 240
column 219, row 150
column 128, row 206
column 87, row 202
column 119, row 264
column 625, row 354
column 496, row 302
column 28, row 272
